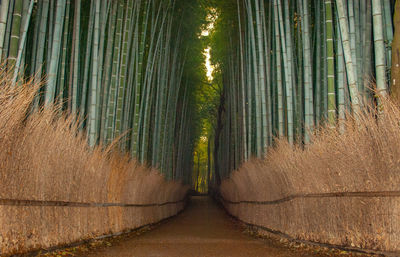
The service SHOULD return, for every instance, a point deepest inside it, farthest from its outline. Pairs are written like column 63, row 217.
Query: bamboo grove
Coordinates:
column 288, row 67
column 121, row 66
column 132, row 71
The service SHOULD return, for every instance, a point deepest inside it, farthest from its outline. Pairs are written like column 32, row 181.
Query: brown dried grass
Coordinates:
column 43, row 156
column 365, row 158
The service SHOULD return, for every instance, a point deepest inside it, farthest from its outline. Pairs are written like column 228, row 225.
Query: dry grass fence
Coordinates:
column 45, row 161
column 343, row 189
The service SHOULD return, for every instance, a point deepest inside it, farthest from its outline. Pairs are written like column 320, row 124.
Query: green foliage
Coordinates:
column 205, row 94
column 224, row 32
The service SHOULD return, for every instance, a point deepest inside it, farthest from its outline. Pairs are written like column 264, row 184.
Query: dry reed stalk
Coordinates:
column 365, row 158
column 43, row 156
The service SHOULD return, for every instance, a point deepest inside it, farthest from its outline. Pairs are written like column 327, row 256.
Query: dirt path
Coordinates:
column 204, row 229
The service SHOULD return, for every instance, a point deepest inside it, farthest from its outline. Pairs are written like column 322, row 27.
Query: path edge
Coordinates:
column 280, row 235
column 35, row 253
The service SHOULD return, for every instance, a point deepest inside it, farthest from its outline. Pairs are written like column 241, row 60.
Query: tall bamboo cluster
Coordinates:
column 118, row 64
column 292, row 66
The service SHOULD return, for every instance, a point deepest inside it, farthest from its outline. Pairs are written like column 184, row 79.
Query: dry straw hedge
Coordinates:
column 366, row 158
column 44, row 157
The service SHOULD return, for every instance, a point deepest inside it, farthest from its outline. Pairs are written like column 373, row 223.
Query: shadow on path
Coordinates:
column 203, row 229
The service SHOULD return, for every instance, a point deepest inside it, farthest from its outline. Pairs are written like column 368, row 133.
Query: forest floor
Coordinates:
column 203, row 229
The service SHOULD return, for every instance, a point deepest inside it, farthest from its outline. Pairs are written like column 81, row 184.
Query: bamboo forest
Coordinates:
column 204, row 125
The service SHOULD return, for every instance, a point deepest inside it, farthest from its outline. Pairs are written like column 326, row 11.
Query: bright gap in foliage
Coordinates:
column 208, row 99
column 209, row 66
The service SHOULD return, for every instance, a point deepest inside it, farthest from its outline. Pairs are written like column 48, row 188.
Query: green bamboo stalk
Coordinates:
column 111, row 105
column 267, row 42
column 3, row 23
column 330, row 58
column 358, row 15
column 93, row 131
column 35, row 39
column 381, row 83
column 7, row 35
column 105, row 18
column 76, row 66
column 287, row 61
column 39, row 55
column 123, row 68
column 279, row 72
column 107, row 71
column 14, row 41
column 308, row 86
column 139, row 81
column 85, row 97
column 351, row 78
column 242, row 84
column 352, row 38
column 340, row 80
column 368, row 47
column 262, row 80
column 324, row 69
column 49, row 44
column 256, row 85
column 149, row 86
column 22, row 42
column 64, row 52
column 318, row 57
column 249, row 100
column 388, row 31
column 55, row 53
